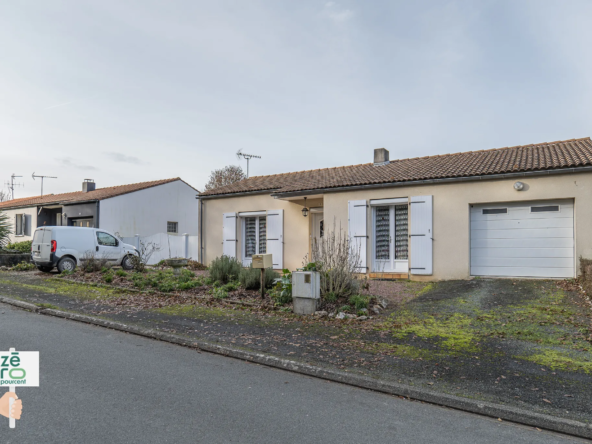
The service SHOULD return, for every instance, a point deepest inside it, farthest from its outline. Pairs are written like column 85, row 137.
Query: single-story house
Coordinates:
column 521, row 211
column 147, row 208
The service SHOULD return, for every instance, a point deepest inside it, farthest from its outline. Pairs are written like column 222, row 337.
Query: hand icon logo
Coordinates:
column 15, row 410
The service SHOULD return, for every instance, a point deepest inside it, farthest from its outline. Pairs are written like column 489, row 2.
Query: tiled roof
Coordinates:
column 81, row 196
column 542, row 156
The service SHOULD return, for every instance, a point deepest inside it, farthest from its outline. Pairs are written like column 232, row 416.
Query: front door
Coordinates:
column 318, row 227
column 391, row 239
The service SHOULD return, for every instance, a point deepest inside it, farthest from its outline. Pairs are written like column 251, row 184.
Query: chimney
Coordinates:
column 88, row 185
column 381, row 156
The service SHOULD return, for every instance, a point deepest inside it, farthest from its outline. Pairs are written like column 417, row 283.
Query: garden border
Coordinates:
column 499, row 411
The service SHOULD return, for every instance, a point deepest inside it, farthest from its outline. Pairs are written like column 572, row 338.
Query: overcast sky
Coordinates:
column 131, row 91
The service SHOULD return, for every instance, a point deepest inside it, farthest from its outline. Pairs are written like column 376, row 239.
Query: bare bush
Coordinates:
column 92, row 263
column 338, row 260
column 144, row 253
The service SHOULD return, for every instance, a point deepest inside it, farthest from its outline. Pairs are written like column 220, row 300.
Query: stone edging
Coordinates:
column 506, row 413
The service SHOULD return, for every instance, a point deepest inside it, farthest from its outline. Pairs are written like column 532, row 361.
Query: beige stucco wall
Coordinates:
column 296, row 226
column 451, row 252
column 451, row 220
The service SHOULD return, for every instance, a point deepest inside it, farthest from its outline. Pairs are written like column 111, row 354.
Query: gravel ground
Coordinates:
column 493, row 371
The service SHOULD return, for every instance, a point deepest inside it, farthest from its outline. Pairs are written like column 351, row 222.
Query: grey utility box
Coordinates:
column 306, row 291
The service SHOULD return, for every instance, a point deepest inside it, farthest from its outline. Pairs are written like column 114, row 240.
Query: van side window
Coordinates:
column 106, row 240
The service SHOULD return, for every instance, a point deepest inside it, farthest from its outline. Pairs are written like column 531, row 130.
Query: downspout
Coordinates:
column 97, row 214
column 200, row 228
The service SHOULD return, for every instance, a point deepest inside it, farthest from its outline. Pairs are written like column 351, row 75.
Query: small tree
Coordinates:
column 225, row 176
column 4, row 229
column 4, row 196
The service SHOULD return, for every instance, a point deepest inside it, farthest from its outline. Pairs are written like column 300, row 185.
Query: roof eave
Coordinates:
column 581, row 169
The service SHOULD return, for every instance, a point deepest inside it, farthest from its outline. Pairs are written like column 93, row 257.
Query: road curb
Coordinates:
column 507, row 413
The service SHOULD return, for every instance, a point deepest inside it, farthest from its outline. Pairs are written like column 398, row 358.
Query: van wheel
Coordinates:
column 66, row 264
column 127, row 263
column 45, row 269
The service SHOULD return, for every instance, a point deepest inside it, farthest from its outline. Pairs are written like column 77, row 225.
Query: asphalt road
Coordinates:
column 99, row 385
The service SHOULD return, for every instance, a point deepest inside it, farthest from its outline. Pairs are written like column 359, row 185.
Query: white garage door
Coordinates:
column 529, row 239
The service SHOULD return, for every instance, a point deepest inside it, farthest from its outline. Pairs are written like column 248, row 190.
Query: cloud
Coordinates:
column 336, row 14
column 118, row 157
column 69, row 162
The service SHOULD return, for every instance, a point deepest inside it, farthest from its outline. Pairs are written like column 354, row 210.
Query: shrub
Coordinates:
column 121, row 273
column 21, row 247
column 282, row 292
column 330, row 297
column 5, row 224
column 225, row 269
column 143, row 255
column 106, row 268
column 250, row 278
column 91, row 263
column 231, row 286
column 186, row 276
column 219, row 293
column 338, row 260
column 359, row 301
column 345, row 308
column 108, row 277
column 195, row 266
column 24, row 266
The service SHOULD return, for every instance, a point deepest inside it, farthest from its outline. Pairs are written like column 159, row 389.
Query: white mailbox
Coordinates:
column 306, row 284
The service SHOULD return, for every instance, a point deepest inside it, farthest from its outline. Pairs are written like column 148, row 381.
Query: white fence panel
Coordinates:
column 167, row 246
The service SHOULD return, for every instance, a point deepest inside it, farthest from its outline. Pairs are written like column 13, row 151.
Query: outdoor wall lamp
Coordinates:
column 305, row 210
column 518, row 186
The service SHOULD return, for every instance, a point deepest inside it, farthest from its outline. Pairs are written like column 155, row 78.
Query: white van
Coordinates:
column 66, row 247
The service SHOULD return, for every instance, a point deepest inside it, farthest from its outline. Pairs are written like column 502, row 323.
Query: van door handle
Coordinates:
column 97, row 248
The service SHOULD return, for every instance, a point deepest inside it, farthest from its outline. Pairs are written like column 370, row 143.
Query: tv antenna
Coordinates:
column 240, row 154
column 42, row 177
column 11, row 185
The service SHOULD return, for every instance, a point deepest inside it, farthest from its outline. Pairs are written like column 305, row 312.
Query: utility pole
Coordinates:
column 11, row 185
column 43, row 177
column 240, row 154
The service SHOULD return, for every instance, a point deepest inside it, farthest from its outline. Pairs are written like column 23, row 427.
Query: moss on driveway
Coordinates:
column 514, row 342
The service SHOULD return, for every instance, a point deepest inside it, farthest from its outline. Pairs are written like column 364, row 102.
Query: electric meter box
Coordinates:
column 262, row 261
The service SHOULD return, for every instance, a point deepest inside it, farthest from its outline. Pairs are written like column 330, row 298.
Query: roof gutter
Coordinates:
column 244, row 193
column 433, row 181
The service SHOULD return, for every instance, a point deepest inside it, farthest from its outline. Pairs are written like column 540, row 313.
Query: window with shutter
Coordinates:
column 254, row 237
column 390, row 238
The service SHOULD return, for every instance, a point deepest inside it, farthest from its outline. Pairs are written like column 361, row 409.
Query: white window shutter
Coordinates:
column 27, row 224
column 421, row 234
column 357, row 230
column 275, row 237
column 229, row 239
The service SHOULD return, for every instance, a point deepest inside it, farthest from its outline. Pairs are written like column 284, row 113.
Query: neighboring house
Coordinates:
column 142, row 208
column 518, row 211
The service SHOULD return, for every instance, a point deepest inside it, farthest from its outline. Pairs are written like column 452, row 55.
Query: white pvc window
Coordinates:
column 172, row 227
column 254, row 236
column 391, row 237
